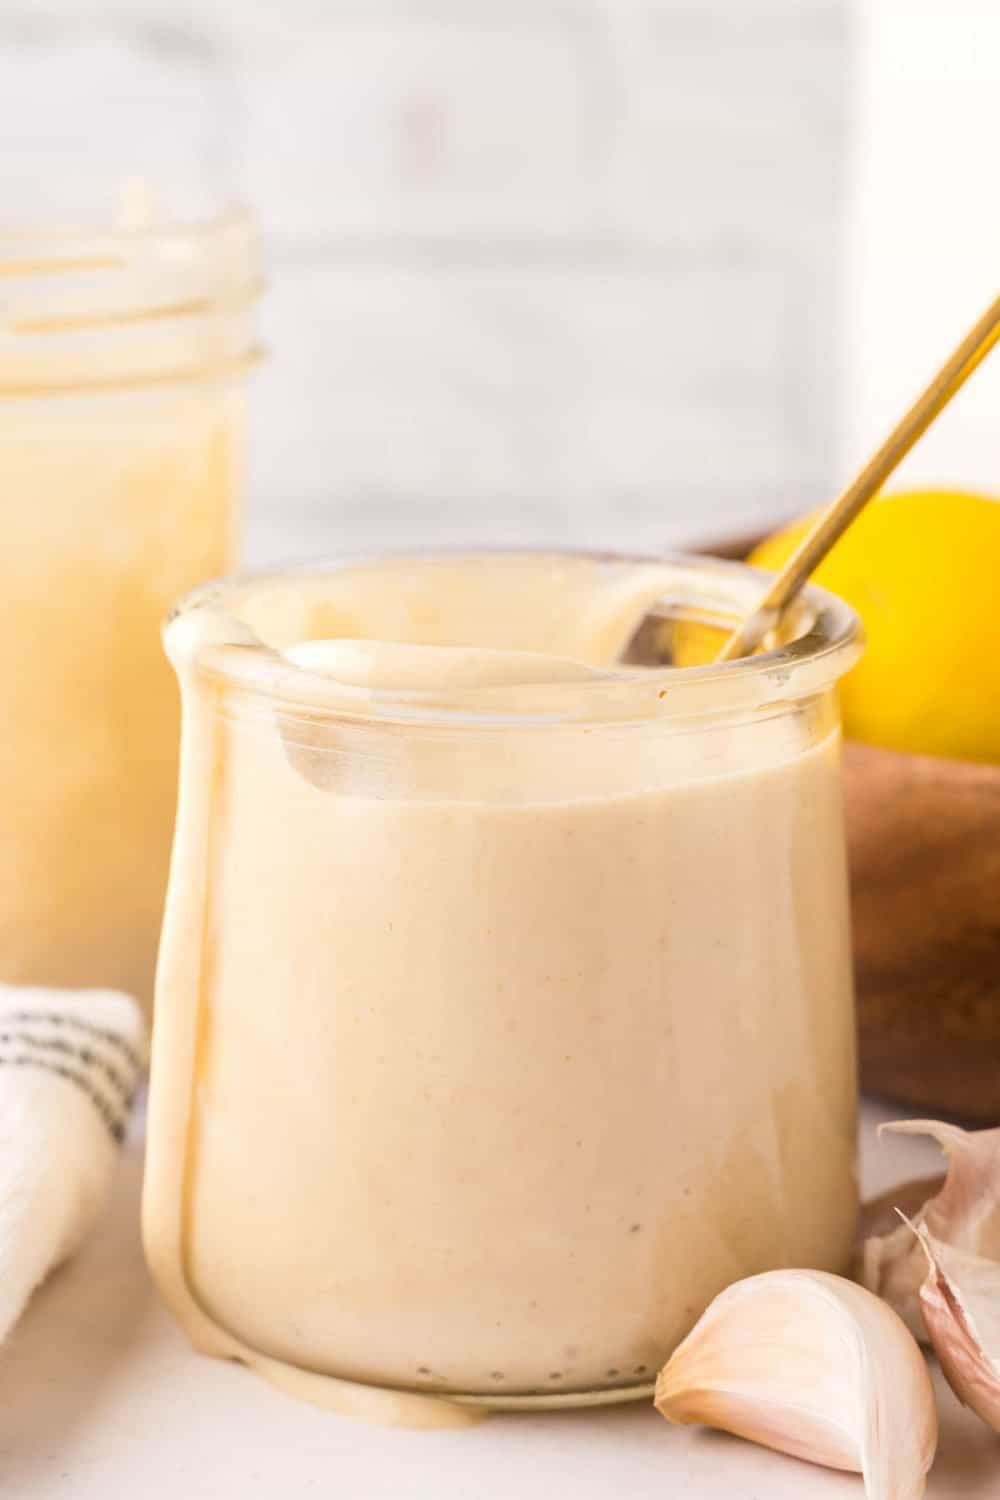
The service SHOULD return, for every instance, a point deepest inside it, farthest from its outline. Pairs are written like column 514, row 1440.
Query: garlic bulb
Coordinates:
column 943, row 1267
column 814, row 1366
column 962, row 1213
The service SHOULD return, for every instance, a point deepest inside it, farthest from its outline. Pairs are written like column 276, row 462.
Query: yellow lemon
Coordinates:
column 923, row 572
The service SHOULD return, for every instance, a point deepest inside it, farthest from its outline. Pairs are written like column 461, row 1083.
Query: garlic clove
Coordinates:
column 964, row 1213
column 960, row 1298
column 814, row 1366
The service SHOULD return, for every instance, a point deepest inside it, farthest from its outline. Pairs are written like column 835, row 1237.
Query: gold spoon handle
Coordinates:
column 835, row 520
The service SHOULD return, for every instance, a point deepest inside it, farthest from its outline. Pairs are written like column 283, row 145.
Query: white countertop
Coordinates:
column 101, row 1397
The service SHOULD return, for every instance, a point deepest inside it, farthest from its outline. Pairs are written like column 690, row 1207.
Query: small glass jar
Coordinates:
column 123, row 354
column 498, row 1027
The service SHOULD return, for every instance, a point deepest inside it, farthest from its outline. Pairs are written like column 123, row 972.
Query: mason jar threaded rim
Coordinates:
column 150, row 300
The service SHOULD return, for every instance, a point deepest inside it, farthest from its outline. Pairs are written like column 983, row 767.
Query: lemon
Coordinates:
column 923, row 572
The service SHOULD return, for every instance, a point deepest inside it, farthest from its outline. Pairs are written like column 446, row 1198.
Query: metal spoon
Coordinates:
column 834, row 521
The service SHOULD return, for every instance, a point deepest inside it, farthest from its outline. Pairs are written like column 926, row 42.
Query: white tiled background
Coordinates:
column 923, row 244
column 539, row 269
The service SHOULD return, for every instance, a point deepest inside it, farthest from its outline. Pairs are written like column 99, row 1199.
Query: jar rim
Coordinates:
column 826, row 642
column 156, row 301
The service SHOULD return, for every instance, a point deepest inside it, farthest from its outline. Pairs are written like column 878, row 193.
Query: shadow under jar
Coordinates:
column 123, row 352
column 501, row 1021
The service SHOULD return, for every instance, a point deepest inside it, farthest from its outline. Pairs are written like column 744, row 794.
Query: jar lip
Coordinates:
column 142, row 302
column 829, row 642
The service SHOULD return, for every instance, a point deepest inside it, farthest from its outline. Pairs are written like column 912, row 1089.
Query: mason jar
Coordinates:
column 504, row 1009
column 125, row 340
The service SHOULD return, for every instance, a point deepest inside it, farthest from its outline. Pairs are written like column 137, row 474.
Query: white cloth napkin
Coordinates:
column 70, row 1062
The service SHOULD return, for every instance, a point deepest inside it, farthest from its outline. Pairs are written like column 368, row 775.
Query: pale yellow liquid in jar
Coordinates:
column 510, row 1049
column 114, row 503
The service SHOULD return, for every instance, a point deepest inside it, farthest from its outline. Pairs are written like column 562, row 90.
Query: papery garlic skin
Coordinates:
column 884, row 1258
column 893, row 1269
column 814, row 1366
column 963, row 1214
column 960, row 1298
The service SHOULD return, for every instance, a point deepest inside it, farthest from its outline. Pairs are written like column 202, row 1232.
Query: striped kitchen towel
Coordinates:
column 70, row 1062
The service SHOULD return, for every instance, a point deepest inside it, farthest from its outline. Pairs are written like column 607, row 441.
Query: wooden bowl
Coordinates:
column 924, row 842
column 924, row 850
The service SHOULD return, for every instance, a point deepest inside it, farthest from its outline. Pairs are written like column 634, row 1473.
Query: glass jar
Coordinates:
column 500, row 1024
column 123, row 353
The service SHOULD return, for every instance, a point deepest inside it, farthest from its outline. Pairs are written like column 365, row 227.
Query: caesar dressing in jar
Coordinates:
column 504, row 1010
column 123, row 352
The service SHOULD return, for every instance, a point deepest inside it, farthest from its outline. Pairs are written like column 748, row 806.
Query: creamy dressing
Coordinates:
column 115, row 505
column 123, row 343
column 486, row 1055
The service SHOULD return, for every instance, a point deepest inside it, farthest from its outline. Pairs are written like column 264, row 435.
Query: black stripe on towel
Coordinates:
column 76, row 1023
column 123, row 1087
column 109, row 1113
